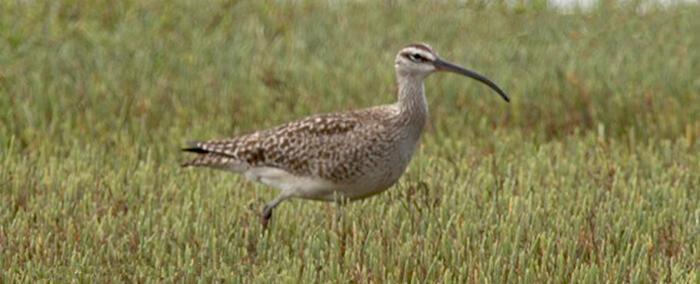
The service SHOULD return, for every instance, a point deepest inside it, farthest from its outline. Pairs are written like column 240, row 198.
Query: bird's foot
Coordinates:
column 338, row 213
column 266, row 215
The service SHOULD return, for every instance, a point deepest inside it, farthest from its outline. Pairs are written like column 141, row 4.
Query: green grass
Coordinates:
column 591, row 173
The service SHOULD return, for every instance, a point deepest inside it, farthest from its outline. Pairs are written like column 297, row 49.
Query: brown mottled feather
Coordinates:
column 327, row 146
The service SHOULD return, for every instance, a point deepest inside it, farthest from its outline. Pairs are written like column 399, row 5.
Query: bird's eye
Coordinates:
column 416, row 57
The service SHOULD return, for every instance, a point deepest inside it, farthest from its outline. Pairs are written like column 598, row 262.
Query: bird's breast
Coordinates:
column 384, row 169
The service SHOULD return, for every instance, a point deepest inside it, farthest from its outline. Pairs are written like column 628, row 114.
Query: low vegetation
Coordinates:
column 591, row 173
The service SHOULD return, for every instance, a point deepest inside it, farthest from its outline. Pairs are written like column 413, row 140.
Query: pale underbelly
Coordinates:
column 372, row 182
column 374, row 178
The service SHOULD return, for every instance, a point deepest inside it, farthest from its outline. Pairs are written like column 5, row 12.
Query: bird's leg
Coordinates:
column 339, row 202
column 268, row 207
column 266, row 215
column 339, row 211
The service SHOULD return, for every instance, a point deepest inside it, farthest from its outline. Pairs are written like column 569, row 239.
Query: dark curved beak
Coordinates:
column 441, row 65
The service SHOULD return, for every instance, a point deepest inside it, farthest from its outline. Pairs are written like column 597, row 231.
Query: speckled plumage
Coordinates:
column 349, row 155
column 339, row 147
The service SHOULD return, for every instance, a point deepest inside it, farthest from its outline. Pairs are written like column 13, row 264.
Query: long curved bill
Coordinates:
column 446, row 66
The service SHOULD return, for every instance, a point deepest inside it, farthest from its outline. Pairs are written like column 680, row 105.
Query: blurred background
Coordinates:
column 590, row 173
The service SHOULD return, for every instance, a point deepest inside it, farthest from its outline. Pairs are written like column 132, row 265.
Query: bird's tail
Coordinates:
column 195, row 147
column 209, row 158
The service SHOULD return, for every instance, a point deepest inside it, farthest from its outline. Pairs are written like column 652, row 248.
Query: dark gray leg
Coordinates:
column 339, row 210
column 268, row 207
column 339, row 203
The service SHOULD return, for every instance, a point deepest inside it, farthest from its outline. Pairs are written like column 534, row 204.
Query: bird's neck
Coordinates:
column 411, row 102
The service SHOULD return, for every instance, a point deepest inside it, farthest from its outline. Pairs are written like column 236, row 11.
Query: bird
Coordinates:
column 342, row 156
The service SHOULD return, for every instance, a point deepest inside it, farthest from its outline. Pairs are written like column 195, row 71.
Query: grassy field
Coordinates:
column 591, row 173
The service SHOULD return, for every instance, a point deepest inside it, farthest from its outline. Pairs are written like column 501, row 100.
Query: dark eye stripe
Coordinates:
column 416, row 57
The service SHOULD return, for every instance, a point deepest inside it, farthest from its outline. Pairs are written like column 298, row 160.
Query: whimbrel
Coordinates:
column 337, row 156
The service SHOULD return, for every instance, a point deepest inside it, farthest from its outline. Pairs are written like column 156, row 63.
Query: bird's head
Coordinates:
column 419, row 60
